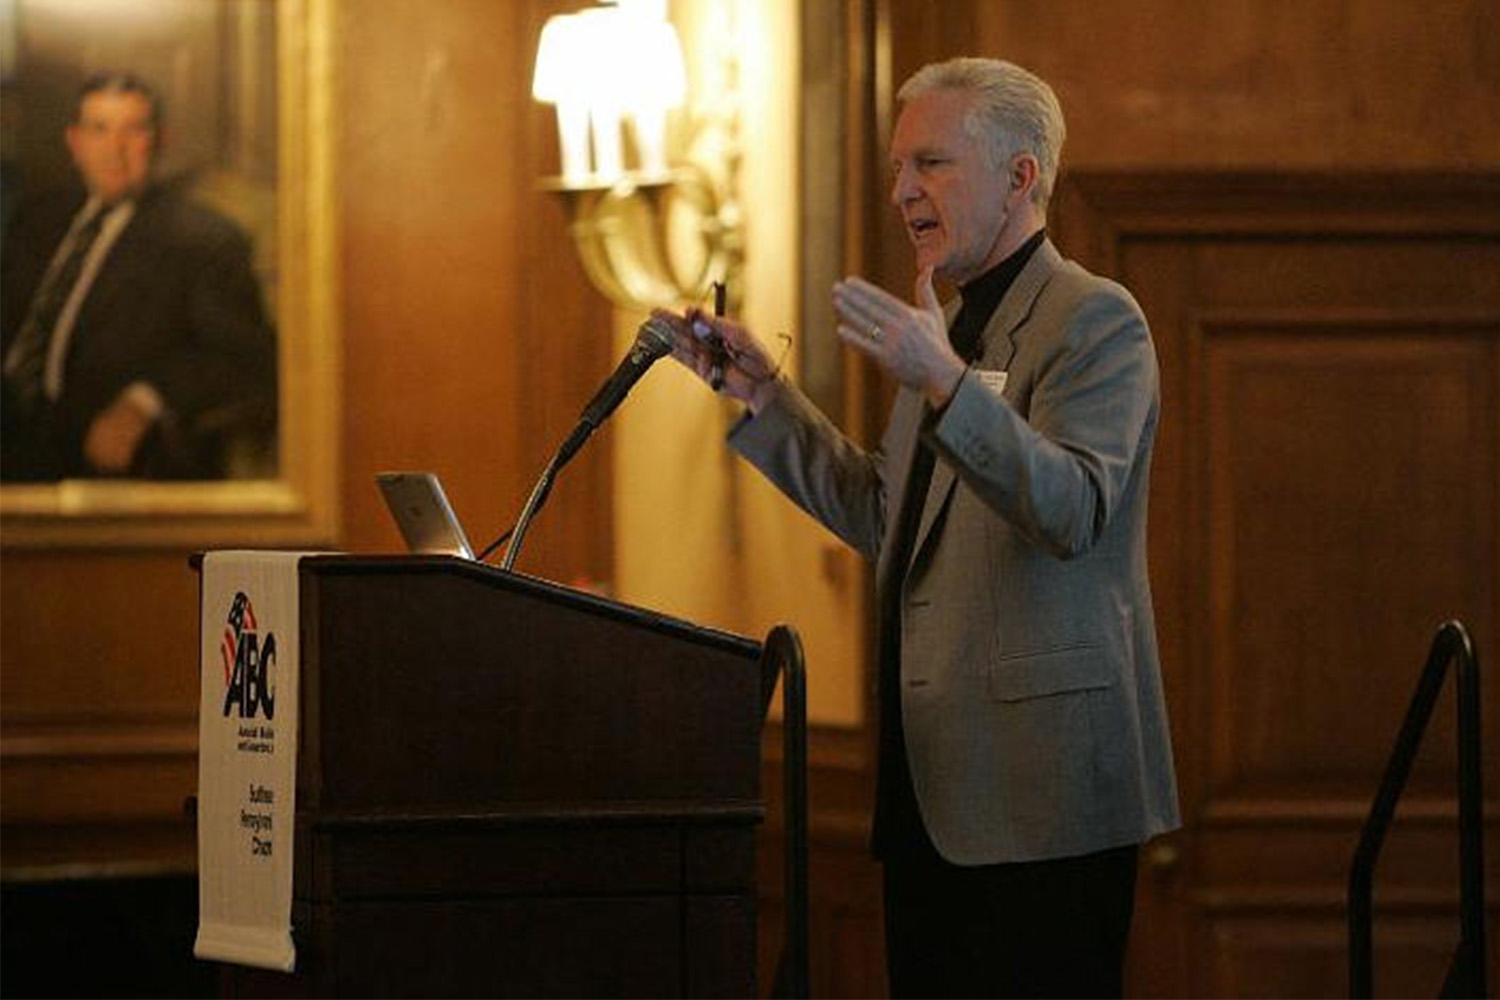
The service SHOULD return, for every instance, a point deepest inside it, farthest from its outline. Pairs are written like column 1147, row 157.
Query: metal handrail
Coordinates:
column 782, row 655
column 1466, row 972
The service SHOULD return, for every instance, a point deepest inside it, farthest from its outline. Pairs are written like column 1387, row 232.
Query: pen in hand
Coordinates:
column 716, row 372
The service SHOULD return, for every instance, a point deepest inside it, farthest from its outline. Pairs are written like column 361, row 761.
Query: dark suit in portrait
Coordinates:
column 173, row 304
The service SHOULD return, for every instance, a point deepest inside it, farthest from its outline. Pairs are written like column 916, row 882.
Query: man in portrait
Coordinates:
column 135, row 342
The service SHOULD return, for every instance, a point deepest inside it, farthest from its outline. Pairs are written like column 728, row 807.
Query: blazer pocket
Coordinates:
column 1056, row 671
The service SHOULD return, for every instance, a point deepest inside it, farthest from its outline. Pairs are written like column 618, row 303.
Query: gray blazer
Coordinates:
column 1030, row 683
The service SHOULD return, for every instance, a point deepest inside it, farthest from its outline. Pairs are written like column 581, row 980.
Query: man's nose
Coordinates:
column 904, row 189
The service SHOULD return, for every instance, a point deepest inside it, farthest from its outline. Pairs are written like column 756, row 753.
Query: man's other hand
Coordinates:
column 908, row 341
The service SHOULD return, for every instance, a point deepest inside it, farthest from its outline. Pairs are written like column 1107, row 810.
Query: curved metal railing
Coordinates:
column 1466, row 973
column 782, row 656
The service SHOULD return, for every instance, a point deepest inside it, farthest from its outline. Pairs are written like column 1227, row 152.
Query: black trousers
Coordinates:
column 1054, row 928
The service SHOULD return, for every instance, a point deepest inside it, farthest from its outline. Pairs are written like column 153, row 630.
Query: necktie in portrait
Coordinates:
column 27, row 363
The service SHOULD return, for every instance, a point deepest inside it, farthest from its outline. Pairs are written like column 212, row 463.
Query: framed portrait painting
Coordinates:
column 204, row 295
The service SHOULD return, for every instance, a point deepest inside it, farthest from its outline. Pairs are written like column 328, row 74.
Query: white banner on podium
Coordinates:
column 247, row 758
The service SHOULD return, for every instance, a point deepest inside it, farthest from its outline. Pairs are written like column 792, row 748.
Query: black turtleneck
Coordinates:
column 898, row 825
column 981, row 297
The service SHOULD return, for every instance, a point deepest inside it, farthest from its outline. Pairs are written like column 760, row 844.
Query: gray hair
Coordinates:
column 1014, row 112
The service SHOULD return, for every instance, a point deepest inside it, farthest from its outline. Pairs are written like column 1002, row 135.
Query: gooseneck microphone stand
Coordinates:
column 652, row 342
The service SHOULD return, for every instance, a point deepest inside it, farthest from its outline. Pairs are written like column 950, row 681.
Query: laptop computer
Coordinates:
column 422, row 512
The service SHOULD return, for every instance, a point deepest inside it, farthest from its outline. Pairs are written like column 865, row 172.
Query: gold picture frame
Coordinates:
column 298, row 506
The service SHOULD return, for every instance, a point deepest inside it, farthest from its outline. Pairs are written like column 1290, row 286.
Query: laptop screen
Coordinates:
column 421, row 510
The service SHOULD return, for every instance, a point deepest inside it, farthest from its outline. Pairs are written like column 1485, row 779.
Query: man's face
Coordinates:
column 952, row 200
column 112, row 143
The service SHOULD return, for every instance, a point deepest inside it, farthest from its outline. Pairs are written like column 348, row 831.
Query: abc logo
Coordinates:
column 248, row 663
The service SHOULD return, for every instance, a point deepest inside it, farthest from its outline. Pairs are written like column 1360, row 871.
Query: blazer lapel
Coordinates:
column 999, row 348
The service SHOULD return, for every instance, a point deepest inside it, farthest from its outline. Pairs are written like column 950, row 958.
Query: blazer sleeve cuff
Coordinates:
column 964, row 428
column 754, row 433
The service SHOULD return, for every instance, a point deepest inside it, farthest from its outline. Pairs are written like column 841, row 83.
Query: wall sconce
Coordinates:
column 654, row 233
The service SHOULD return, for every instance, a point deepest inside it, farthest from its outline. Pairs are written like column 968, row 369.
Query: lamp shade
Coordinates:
column 612, row 55
column 560, row 59
column 600, row 66
column 658, row 78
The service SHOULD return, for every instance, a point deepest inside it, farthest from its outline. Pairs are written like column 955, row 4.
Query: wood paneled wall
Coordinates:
column 467, row 331
column 1328, row 90
column 1381, row 85
column 471, row 337
column 1324, row 497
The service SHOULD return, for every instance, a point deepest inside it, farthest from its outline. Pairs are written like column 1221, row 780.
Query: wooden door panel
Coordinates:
column 1348, row 470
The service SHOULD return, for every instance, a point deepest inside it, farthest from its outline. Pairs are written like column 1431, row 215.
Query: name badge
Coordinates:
column 993, row 380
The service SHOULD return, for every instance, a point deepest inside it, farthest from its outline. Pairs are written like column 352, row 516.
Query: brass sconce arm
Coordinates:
column 662, row 240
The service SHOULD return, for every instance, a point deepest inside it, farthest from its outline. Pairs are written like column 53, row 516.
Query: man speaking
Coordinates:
column 134, row 338
column 1024, row 750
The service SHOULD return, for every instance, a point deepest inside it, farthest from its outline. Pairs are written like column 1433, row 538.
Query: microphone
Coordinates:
column 653, row 341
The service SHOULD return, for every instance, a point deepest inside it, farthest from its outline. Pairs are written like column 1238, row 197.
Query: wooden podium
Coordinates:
column 509, row 788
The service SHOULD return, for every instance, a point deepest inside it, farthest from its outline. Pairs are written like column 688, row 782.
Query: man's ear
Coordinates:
column 1024, row 170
